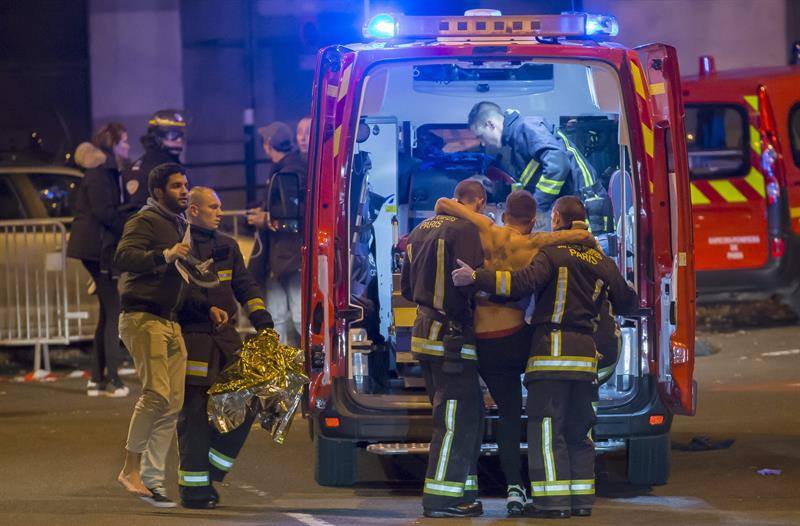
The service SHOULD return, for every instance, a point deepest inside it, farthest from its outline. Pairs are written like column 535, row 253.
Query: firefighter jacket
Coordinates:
column 431, row 253
column 236, row 285
column 544, row 161
column 571, row 283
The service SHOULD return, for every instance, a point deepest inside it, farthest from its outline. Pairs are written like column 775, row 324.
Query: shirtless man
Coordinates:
column 503, row 337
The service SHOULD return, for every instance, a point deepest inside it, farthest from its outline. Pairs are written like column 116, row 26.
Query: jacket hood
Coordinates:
column 88, row 156
column 154, row 205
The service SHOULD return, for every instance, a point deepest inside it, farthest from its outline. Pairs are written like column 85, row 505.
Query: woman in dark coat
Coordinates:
column 96, row 230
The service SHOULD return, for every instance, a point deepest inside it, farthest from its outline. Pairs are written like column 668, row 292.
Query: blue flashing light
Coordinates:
column 382, row 26
column 601, row 25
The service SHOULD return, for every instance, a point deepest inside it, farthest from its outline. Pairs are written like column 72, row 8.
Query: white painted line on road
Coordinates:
column 781, row 353
column 308, row 519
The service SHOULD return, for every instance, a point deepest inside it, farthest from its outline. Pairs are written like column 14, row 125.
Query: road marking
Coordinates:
column 308, row 519
column 781, row 353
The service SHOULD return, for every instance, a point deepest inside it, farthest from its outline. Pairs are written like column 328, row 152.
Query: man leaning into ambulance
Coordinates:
column 571, row 283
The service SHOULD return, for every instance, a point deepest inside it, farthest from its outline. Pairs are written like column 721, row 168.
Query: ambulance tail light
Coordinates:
column 773, row 191
column 777, row 247
column 771, row 155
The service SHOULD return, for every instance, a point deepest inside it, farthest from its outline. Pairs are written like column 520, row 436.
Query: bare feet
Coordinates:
column 133, row 484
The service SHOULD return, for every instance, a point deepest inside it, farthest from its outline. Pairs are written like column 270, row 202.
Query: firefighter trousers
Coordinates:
column 206, row 455
column 560, row 451
column 452, row 475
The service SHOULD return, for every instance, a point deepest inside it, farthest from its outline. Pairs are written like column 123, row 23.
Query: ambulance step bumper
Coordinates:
column 488, row 449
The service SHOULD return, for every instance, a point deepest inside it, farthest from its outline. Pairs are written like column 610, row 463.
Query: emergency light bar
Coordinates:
column 387, row 26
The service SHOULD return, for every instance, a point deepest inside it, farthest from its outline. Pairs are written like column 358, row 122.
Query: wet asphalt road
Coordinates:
column 60, row 452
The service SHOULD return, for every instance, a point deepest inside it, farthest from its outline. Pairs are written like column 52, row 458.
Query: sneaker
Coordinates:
column 95, row 388
column 159, row 498
column 515, row 500
column 117, row 390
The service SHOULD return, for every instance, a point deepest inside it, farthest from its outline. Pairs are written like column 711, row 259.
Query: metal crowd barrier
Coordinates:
column 45, row 299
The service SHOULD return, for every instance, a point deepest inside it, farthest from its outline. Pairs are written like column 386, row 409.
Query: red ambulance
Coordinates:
column 743, row 142
column 390, row 137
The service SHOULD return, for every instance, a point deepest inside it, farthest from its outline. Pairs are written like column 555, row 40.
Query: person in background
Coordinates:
column 280, row 261
column 163, row 143
column 303, row 135
column 208, row 323
column 96, row 230
column 151, row 292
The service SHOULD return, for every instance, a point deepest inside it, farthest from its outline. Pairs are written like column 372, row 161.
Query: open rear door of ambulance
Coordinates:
column 322, row 269
column 676, row 315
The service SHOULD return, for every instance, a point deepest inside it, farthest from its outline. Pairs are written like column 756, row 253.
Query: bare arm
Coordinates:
column 452, row 207
column 538, row 240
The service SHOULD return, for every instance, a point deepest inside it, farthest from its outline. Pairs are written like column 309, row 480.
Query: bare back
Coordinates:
column 506, row 248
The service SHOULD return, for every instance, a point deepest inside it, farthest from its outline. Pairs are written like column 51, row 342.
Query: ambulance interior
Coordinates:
column 414, row 146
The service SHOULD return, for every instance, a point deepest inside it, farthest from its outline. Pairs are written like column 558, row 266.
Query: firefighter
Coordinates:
column 503, row 337
column 443, row 340
column 544, row 162
column 163, row 143
column 570, row 282
column 208, row 322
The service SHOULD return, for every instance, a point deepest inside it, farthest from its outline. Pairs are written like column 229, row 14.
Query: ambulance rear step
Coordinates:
column 488, row 449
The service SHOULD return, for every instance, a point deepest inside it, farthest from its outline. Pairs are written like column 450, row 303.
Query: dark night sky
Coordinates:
column 44, row 73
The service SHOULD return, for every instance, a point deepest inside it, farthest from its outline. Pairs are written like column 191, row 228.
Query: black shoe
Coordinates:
column 581, row 512
column 159, row 498
column 468, row 509
column 549, row 514
column 199, row 504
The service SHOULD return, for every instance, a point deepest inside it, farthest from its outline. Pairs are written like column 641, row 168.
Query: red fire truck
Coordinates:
column 743, row 141
column 390, row 137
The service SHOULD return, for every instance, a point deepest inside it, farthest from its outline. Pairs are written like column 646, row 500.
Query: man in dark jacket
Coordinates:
column 151, row 290
column 571, row 283
column 280, row 224
column 208, row 322
column 163, row 143
column 443, row 340
column 543, row 161
column 95, row 232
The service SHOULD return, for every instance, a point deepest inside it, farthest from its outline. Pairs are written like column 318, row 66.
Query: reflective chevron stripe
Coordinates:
column 220, row 461
column 443, row 488
column 193, row 478
column 194, row 368
column 436, row 348
column 580, row 364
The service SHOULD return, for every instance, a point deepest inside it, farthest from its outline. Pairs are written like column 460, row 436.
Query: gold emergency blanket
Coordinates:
column 268, row 378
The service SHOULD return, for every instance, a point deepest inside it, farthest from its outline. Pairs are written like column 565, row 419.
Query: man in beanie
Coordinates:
column 163, row 143
column 280, row 224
